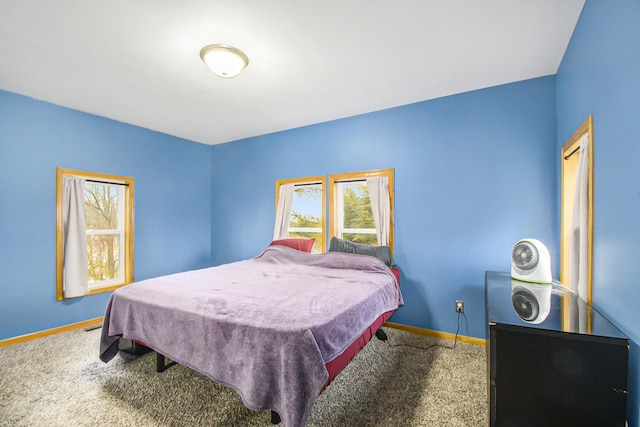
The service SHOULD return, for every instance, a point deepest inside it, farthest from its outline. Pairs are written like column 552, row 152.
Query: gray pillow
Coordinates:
column 381, row 252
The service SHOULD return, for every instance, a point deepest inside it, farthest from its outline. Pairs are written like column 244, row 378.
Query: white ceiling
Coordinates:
column 137, row 61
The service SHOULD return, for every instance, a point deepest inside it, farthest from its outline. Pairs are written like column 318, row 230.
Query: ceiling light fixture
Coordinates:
column 225, row 61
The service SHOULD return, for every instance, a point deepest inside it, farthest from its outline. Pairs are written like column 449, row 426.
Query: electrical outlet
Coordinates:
column 459, row 306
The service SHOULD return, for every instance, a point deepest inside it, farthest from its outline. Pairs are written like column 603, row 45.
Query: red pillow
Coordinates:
column 300, row 243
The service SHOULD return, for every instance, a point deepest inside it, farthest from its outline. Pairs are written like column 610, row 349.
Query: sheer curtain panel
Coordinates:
column 578, row 246
column 380, row 206
column 75, row 275
column 283, row 213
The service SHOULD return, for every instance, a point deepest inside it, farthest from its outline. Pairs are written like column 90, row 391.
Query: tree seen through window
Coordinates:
column 357, row 224
column 103, row 236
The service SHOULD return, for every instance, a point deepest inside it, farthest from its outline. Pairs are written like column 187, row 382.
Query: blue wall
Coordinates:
column 474, row 173
column 172, row 204
column 599, row 75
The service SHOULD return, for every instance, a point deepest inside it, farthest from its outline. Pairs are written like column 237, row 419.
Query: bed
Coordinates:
column 277, row 328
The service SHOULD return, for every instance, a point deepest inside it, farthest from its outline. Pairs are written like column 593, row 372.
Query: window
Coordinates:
column 307, row 207
column 572, row 231
column 300, row 208
column 352, row 216
column 107, row 225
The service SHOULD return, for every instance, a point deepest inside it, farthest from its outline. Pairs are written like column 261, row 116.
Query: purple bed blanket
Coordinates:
column 264, row 326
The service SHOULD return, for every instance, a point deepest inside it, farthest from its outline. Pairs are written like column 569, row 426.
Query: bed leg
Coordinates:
column 275, row 418
column 381, row 335
column 161, row 365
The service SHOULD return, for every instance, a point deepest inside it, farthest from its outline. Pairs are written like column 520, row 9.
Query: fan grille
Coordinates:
column 524, row 255
column 525, row 305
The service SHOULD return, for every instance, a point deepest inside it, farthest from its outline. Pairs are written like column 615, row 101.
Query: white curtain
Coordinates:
column 283, row 214
column 381, row 206
column 578, row 246
column 74, row 273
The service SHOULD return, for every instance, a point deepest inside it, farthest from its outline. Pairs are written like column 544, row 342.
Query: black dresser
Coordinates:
column 552, row 359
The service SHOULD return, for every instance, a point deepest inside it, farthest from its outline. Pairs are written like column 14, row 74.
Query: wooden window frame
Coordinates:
column 569, row 172
column 359, row 176
column 128, row 274
column 304, row 181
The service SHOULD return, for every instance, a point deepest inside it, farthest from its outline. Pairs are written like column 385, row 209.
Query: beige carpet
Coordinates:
column 59, row 381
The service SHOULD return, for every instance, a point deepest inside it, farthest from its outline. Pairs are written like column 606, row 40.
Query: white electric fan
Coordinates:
column 531, row 262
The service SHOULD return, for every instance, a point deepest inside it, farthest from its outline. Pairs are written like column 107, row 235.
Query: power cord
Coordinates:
column 455, row 341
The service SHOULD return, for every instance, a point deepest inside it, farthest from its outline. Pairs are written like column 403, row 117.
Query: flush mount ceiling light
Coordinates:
column 225, row 61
